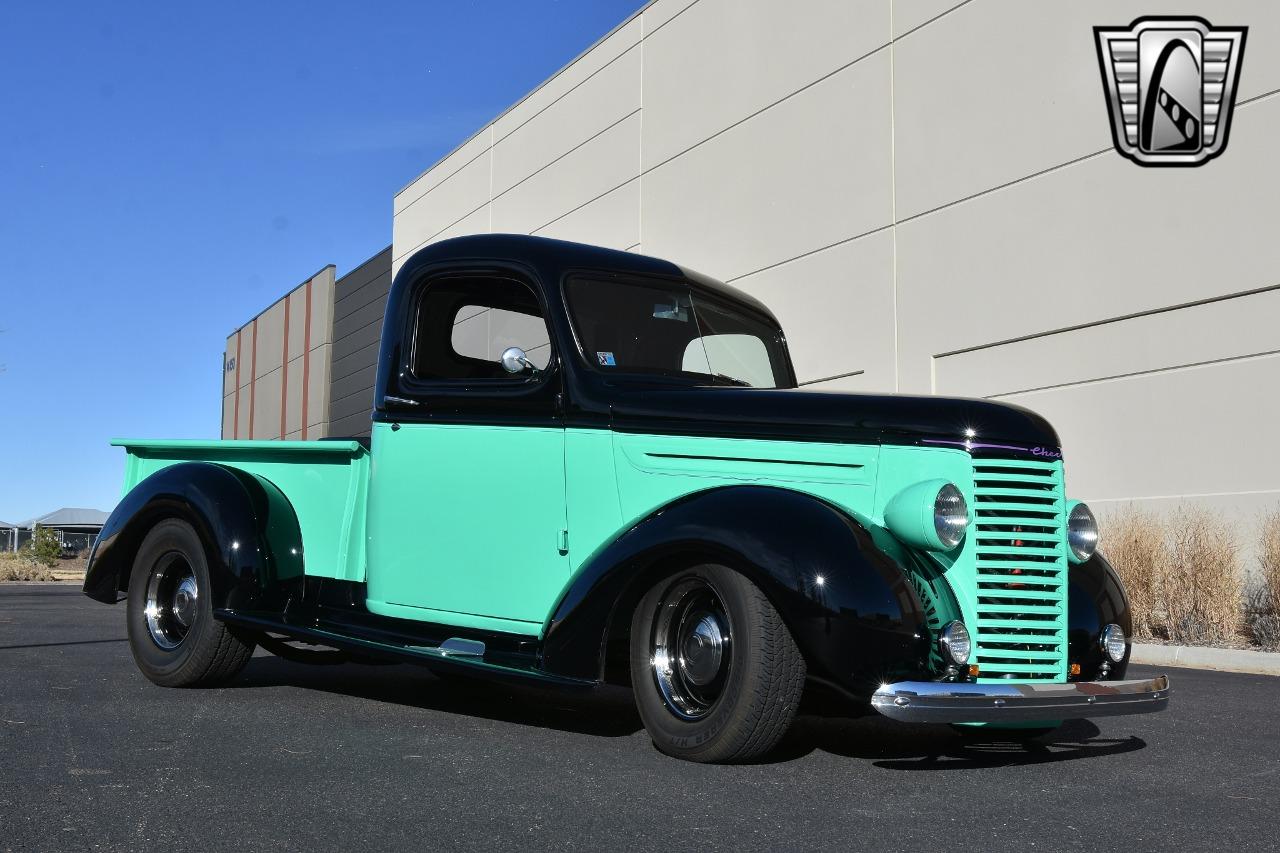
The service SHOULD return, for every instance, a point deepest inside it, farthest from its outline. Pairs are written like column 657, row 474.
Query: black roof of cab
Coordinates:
column 558, row 257
column 631, row 405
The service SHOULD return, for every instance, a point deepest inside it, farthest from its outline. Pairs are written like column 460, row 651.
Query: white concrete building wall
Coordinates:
column 926, row 194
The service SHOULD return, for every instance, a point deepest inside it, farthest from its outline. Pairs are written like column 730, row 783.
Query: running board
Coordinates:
column 455, row 652
column 453, row 647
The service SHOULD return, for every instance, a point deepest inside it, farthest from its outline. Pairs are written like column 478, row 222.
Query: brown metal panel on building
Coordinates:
column 292, row 356
column 359, row 299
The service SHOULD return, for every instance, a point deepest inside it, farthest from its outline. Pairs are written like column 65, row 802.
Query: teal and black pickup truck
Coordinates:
column 592, row 466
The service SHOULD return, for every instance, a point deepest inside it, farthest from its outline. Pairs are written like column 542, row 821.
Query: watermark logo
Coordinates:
column 1170, row 84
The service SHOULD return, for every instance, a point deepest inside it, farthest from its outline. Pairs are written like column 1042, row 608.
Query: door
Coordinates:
column 467, row 491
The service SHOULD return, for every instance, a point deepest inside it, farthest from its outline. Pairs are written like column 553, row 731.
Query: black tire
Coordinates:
column 743, row 711
column 201, row 652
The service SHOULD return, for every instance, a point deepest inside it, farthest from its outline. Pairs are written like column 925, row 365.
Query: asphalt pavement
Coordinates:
column 361, row 758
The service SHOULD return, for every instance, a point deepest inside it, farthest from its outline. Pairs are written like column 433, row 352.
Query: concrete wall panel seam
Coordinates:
column 584, row 204
column 1155, row 371
column 763, row 109
column 810, row 252
column 561, row 157
column 418, row 246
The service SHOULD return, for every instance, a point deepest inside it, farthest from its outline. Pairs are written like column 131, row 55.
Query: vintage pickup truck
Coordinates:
column 592, row 466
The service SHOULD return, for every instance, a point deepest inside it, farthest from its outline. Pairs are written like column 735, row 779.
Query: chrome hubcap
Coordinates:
column 702, row 650
column 691, row 643
column 172, row 599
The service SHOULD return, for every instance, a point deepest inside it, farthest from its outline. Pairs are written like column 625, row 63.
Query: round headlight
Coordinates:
column 1112, row 642
column 1082, row 532
column 954, row 641
column 950, row 516
column 930, row 514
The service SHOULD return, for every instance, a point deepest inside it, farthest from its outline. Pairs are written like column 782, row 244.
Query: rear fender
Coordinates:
column 249, row 529
column 847, row 602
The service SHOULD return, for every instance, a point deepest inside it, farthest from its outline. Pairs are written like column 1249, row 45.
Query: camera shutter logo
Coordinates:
column 1170, row 85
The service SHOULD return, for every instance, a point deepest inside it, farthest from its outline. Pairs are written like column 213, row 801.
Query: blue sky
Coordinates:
column 167, row 170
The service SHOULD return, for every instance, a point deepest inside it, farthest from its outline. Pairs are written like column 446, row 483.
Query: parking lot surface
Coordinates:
column 291, row 757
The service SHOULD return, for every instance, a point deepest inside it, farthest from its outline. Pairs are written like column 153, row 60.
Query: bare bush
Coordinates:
column 1203, row 589
column 1262, row 607
column 1269, row 561
column 1261, row 620
column 1182, row 574
column 20, row 567
column 1136, row 545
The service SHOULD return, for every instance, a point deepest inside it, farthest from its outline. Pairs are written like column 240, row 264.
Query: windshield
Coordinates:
column 669, row 330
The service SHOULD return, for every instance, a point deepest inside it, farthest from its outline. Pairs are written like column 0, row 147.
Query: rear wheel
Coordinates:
column 174, row 638
column 716, row 674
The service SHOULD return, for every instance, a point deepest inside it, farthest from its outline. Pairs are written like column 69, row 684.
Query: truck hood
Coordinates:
column 796, row 414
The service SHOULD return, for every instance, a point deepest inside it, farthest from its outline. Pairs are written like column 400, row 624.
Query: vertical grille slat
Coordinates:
column 1019, row 549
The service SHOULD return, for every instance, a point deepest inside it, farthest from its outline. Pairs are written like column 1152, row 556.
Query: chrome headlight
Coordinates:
column 950, row 516
column 955, row 644
column 931, row 515
column 1112, row 642
column 1082, row 532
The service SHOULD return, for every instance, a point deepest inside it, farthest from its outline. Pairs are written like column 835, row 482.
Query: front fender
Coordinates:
column 847, row 602
column 1096, row 597
column 249, row 529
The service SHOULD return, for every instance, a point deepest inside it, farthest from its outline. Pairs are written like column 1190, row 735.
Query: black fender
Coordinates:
column 1095, row 598
column 249, row 529
column 847, row 602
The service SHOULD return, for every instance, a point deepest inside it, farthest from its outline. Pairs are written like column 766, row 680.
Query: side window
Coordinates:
column 464, row 323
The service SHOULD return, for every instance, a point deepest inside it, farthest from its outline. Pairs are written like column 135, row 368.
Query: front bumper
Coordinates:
column 950, row 702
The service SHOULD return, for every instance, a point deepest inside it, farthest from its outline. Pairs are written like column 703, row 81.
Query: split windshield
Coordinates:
column 672, row 330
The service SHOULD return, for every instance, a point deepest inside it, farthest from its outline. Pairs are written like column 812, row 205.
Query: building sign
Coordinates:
column 1170, row 84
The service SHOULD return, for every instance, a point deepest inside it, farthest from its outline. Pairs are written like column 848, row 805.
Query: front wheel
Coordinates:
column 174, row 638
column 717, row 675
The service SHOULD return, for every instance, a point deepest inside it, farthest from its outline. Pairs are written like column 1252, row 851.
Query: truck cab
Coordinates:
column 588, row 465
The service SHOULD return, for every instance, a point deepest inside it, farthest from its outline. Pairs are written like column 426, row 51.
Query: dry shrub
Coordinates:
column 1262, row 610
column 1203, row 593
column 1183, row 576
column 20, row 567
column 1269, row 561
column 1135, row 543
column 1261, row 622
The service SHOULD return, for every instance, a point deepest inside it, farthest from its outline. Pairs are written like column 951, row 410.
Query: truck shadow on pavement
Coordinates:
column 899, row 746
column 605, row 712
column 609, row 712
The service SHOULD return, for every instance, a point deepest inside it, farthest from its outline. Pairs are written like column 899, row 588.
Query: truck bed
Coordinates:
column 326, row 481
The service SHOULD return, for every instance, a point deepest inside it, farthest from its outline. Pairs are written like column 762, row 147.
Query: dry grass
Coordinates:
column 1184, row 579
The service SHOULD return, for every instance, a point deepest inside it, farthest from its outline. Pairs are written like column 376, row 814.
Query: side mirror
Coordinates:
column 515, row 361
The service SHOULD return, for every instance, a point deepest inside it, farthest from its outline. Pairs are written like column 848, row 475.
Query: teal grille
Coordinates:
column 1021, row 563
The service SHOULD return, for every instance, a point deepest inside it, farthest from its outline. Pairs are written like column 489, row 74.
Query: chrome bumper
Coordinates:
column 946, row 702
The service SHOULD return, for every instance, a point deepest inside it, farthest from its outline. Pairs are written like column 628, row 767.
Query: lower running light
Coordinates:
column 1112, row 642
column 955, row 644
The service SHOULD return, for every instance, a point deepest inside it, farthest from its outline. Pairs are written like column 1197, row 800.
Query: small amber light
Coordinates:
column 973, row 670
column 1075, row 669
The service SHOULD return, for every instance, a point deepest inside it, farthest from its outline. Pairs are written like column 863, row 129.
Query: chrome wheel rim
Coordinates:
column 172, row 601
column 691, row 644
